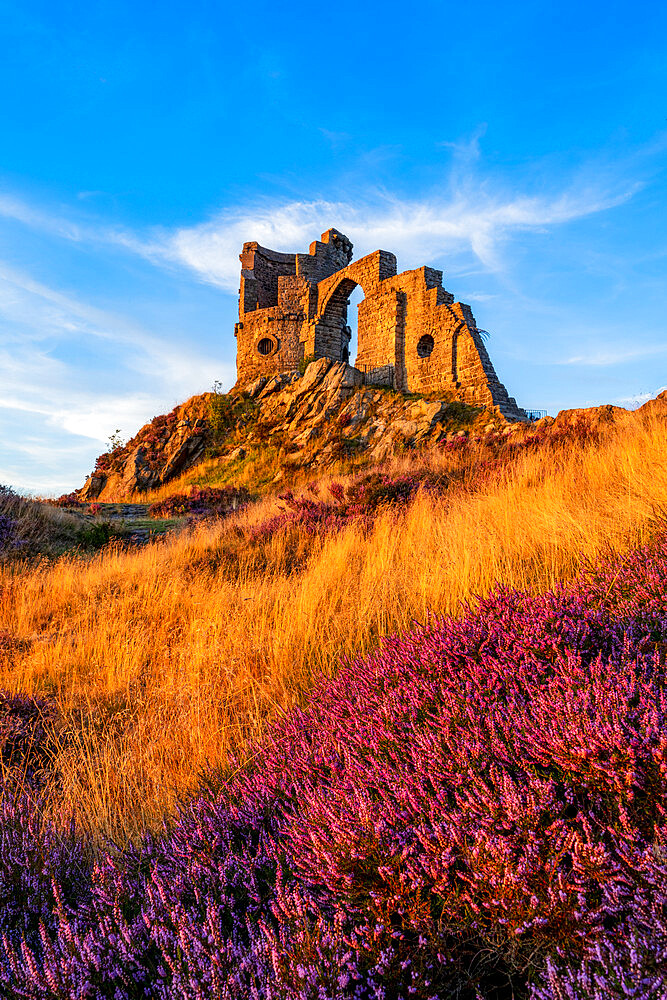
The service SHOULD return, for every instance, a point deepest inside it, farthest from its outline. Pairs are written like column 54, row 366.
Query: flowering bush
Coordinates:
column 11, row 508
column 477, row 810
column 202, row 501
column 505, row 446
column 7, row 531
column 360, row 499
column 151, row 438
column 66, row 500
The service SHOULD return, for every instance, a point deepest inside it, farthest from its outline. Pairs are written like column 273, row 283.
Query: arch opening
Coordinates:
column 338, row 323
column 356, row 297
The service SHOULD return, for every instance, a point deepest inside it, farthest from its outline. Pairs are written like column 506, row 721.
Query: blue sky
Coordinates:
column 521, row 148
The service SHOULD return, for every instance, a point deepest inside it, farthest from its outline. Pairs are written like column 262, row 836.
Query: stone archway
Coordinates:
column 333, row 332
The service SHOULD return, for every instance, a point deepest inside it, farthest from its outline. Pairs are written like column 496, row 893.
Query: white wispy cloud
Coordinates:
column 52, row 408
column 638, row 398
column 46, row 221
column 43, row 310
column 415, row 230
column 472, row 217
column 606, row 356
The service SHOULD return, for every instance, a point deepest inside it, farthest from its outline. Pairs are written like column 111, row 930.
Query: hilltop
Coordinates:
column 281, row 427
column 288, row 429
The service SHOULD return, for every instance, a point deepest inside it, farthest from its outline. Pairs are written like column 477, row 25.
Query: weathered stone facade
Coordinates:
column 412, row 335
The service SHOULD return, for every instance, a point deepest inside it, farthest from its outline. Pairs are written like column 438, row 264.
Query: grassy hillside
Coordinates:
column 30, row 529
column 166, row 659
column 471, row 806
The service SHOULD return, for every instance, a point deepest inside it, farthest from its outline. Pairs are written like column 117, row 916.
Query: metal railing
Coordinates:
column 534, row 414
column 380, row 376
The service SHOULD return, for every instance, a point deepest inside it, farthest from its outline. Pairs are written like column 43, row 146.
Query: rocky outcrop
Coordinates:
column 162, row 449
column 327, row 414
column 313, row 419
column 593, row 422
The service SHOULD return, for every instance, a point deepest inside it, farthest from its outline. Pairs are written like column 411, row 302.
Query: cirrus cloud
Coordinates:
column 477, row 222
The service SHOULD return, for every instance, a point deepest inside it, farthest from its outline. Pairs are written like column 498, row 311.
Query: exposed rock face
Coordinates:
column 327, row 414
column 313, row 419
column 161, row 450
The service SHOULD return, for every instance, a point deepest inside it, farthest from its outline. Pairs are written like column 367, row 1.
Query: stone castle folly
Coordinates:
column 412, row 335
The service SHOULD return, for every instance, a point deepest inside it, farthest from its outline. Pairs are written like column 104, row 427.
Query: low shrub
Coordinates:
column 97, row 534
column 8, row 531
column 359, row 500
column 66, row 500
column 477, row 810
column 202, row 501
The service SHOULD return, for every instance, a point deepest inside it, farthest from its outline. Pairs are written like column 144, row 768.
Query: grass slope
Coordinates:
column 167, row 659
column 475, row 811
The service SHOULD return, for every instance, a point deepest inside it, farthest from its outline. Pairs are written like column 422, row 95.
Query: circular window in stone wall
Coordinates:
column 266, row 345
column 425, row 346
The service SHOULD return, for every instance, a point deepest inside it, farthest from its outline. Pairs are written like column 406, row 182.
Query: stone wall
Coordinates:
column 412, row 335
column 260, row 270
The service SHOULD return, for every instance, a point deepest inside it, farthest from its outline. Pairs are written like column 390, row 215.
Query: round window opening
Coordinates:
column 265, row 346
column 425, row 346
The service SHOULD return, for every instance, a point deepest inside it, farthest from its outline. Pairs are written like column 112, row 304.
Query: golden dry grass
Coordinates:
column 37, row 527
column 256, row 471
column 165, row 659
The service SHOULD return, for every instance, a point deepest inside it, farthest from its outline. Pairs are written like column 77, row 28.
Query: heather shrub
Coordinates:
column 628, row 958
column 38, row 864
column 10, row 509
column 202, row 501
column 7, row 532
column 150, row 439
column 474, row 461
column 360, row 499
column 476, row 810
column 42, row 871
column 66, row 500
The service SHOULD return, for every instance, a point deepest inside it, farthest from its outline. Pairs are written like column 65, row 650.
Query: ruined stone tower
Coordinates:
column 412, row 335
